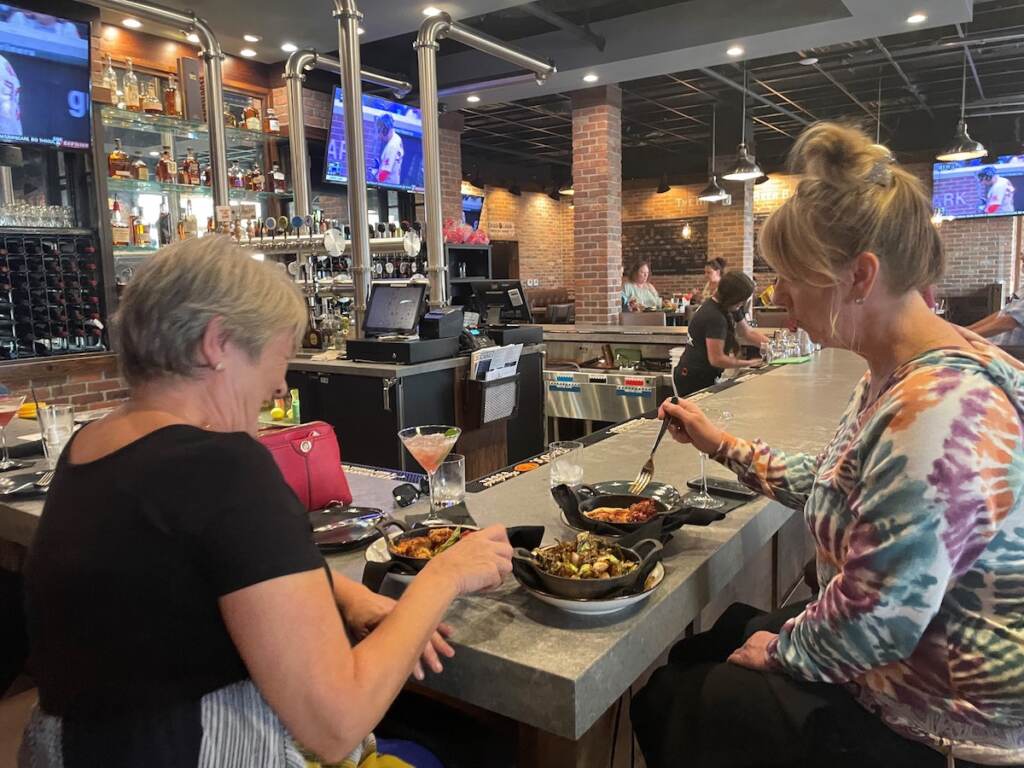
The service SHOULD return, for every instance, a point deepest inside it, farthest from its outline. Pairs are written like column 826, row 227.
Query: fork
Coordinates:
column 646, row 472
column 45, row 480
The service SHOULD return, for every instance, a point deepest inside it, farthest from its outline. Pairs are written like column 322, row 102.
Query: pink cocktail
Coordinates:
column 430, row 446
column 9, row 405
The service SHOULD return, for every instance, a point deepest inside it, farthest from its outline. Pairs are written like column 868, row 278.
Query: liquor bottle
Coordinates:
column 166, row 168
column 132, row 97
column 236, row 176
column 171, row 108
column 230, row 121
column 247, row 179
column 139, row 234
column 389, row 266
column 191, row 223
column 119, row 231
column 110, row 77
column 164, row 235
column 191, row 167
column 251, row 117
column 140, row 170
column 270, row 122
column 277, row 179
column 151, row 103
column 257, row 181
column 206, row 176
column 118, row 164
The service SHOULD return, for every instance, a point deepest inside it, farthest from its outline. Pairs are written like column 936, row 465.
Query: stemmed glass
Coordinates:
column 702, row 499
column 430, row 446
column 9, row 405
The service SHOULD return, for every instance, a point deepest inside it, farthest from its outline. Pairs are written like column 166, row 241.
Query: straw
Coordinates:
column 35, row 400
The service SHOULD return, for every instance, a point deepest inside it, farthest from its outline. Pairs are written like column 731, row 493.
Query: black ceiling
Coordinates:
column 667, row 119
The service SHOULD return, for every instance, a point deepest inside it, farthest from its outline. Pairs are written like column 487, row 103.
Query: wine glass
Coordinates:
column 9, row 405
column 430, row 446
column 702, row 499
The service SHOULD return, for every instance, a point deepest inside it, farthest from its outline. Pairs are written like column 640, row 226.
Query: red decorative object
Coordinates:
column 310, row 461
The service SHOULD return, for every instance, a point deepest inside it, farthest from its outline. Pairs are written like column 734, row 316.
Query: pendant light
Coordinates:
column 963, row 147
column 746, row 167
column 663, row 187
column 713, row 193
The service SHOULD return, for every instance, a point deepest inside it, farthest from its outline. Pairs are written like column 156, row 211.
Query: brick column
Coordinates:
column 450, row 138
column 731, row 227
column 597, row 225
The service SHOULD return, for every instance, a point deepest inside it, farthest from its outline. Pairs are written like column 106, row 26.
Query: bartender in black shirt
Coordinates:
column 716, row 332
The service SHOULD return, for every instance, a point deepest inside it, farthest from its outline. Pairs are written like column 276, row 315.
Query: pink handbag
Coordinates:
column 310, row 461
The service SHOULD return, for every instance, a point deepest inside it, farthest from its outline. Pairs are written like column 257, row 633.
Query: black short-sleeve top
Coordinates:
column 133, row 551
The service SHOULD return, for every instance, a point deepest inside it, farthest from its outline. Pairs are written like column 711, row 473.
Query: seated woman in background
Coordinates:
column 911, row 655
column 176, row 604
column 638, row 293
column 716, row 332
column 713, row 271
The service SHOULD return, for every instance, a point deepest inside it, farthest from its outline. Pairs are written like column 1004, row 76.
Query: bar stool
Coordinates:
column 14, row 715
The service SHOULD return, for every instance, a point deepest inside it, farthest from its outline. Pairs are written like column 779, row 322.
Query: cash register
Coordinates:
column 508, row 318
column 392, row 321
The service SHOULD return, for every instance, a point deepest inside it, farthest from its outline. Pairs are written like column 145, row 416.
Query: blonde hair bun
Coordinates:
column 839, row 154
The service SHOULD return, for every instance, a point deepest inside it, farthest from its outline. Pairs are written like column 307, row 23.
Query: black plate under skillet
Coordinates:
column 574, row 503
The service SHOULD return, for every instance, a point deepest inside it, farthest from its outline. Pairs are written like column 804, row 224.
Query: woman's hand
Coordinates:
column 690, row 425
column 754, row 653
column 634, row 306
column 479, row 561
column 364, row 610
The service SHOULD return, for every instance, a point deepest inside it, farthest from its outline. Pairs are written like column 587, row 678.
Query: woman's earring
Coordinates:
column 859, row 301
column 218, row 367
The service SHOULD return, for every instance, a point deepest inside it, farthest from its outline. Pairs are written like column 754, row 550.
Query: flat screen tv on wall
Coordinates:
column 979, row 188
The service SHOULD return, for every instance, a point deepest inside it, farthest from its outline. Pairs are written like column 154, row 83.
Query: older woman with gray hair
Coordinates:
column 179, row 613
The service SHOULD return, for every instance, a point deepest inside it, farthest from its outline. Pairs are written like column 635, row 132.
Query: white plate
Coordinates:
column 583, row 607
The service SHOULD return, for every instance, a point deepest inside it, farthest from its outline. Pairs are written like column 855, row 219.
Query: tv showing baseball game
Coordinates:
column 393, row 142
column 44, row 79
column 978, row 188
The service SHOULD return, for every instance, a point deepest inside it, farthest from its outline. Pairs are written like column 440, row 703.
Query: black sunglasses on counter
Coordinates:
column 408, row 494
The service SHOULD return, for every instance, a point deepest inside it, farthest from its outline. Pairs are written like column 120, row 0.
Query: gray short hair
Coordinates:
column 170, row 301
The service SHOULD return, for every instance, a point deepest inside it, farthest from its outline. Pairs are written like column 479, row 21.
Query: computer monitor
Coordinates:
column 394, row 310
column 501, row 301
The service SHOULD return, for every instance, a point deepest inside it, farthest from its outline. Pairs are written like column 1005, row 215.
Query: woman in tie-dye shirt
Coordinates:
column 912, row 654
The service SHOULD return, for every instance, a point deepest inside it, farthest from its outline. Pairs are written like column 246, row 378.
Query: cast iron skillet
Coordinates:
column 646, row 553
column 416, row 563
column 585, row 499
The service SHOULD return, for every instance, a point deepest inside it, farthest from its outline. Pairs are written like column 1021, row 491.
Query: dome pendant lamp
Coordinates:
column 713, row 193
column 746, row 167
column 963, row 147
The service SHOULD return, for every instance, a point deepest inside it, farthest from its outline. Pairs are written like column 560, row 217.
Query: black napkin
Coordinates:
column 526, row 536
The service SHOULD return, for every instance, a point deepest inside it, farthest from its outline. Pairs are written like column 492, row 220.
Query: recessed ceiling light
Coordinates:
column 154, row 153
column 362, row 31
column 192, row 37
column 251, row 38
column 247, row 53
column 289, row 47
column 917, row 18
column 472, row 99
column 735, row 51
column 810, row 61
column 132, row 23
column 591, row 78
column 431, row 11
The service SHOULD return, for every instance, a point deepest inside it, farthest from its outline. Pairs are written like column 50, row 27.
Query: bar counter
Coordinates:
column 557, row 674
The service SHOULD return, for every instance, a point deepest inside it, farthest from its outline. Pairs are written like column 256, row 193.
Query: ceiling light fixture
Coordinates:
column 746, row 167
column 687, row 232
column 591, row 78
column 553, row 194
column 192, row 37
column 289, row 47
column 472, row 99
column 917, row 18
column 735, row 51
column 431, row 11
column 477, row 180
column 809, row 61
column 963, row 147
column 566, row 189
column 713, row 193
column 362, row 31
column 762, row 179
column 247, row 53
column 663, row 187
column 132, row 23
column 251, row 38
column 513, row 189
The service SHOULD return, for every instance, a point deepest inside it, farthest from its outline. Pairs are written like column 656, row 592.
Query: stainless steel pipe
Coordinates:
column 427, row 45
column 212, row 56
column 348, row 15
column 294, row 75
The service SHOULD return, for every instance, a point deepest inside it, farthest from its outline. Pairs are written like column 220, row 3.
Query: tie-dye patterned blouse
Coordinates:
column 917, row 511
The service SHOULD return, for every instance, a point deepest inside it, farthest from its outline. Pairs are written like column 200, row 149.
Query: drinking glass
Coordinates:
column 430, row 445
column 565, row 462
column 57, row 424
column 702, row 499
column 9, row 405
column 448, row 486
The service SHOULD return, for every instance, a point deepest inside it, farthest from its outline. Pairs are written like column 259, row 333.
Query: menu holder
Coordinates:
column 488, row 402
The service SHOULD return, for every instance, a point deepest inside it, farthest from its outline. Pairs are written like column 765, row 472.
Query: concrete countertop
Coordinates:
column 387, row 370
column 560, row 673
column 617, row 334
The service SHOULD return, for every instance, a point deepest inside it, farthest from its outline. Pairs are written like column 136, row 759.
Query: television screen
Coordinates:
column 393, row 141
column 972, row 188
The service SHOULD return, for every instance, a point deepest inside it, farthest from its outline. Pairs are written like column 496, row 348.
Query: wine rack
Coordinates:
column 50, row 294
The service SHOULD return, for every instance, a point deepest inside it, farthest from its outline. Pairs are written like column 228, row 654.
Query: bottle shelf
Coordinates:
column 186, row 129
column 129, row 186
column 134, row 250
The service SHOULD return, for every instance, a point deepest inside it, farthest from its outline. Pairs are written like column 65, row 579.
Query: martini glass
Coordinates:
column 9, row 405
column 702, row 499
column 430, row 446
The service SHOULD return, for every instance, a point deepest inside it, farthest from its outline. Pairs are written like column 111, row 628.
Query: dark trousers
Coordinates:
column 689, row 380
column 700, row 711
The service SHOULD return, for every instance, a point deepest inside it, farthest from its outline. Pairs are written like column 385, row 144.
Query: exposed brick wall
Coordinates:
column 451, row 173
column 597, row 179
column 542, row 227
column 316, row 107
column 86, row 383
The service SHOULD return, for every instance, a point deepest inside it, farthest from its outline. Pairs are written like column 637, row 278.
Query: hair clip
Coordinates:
column 880, row 172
